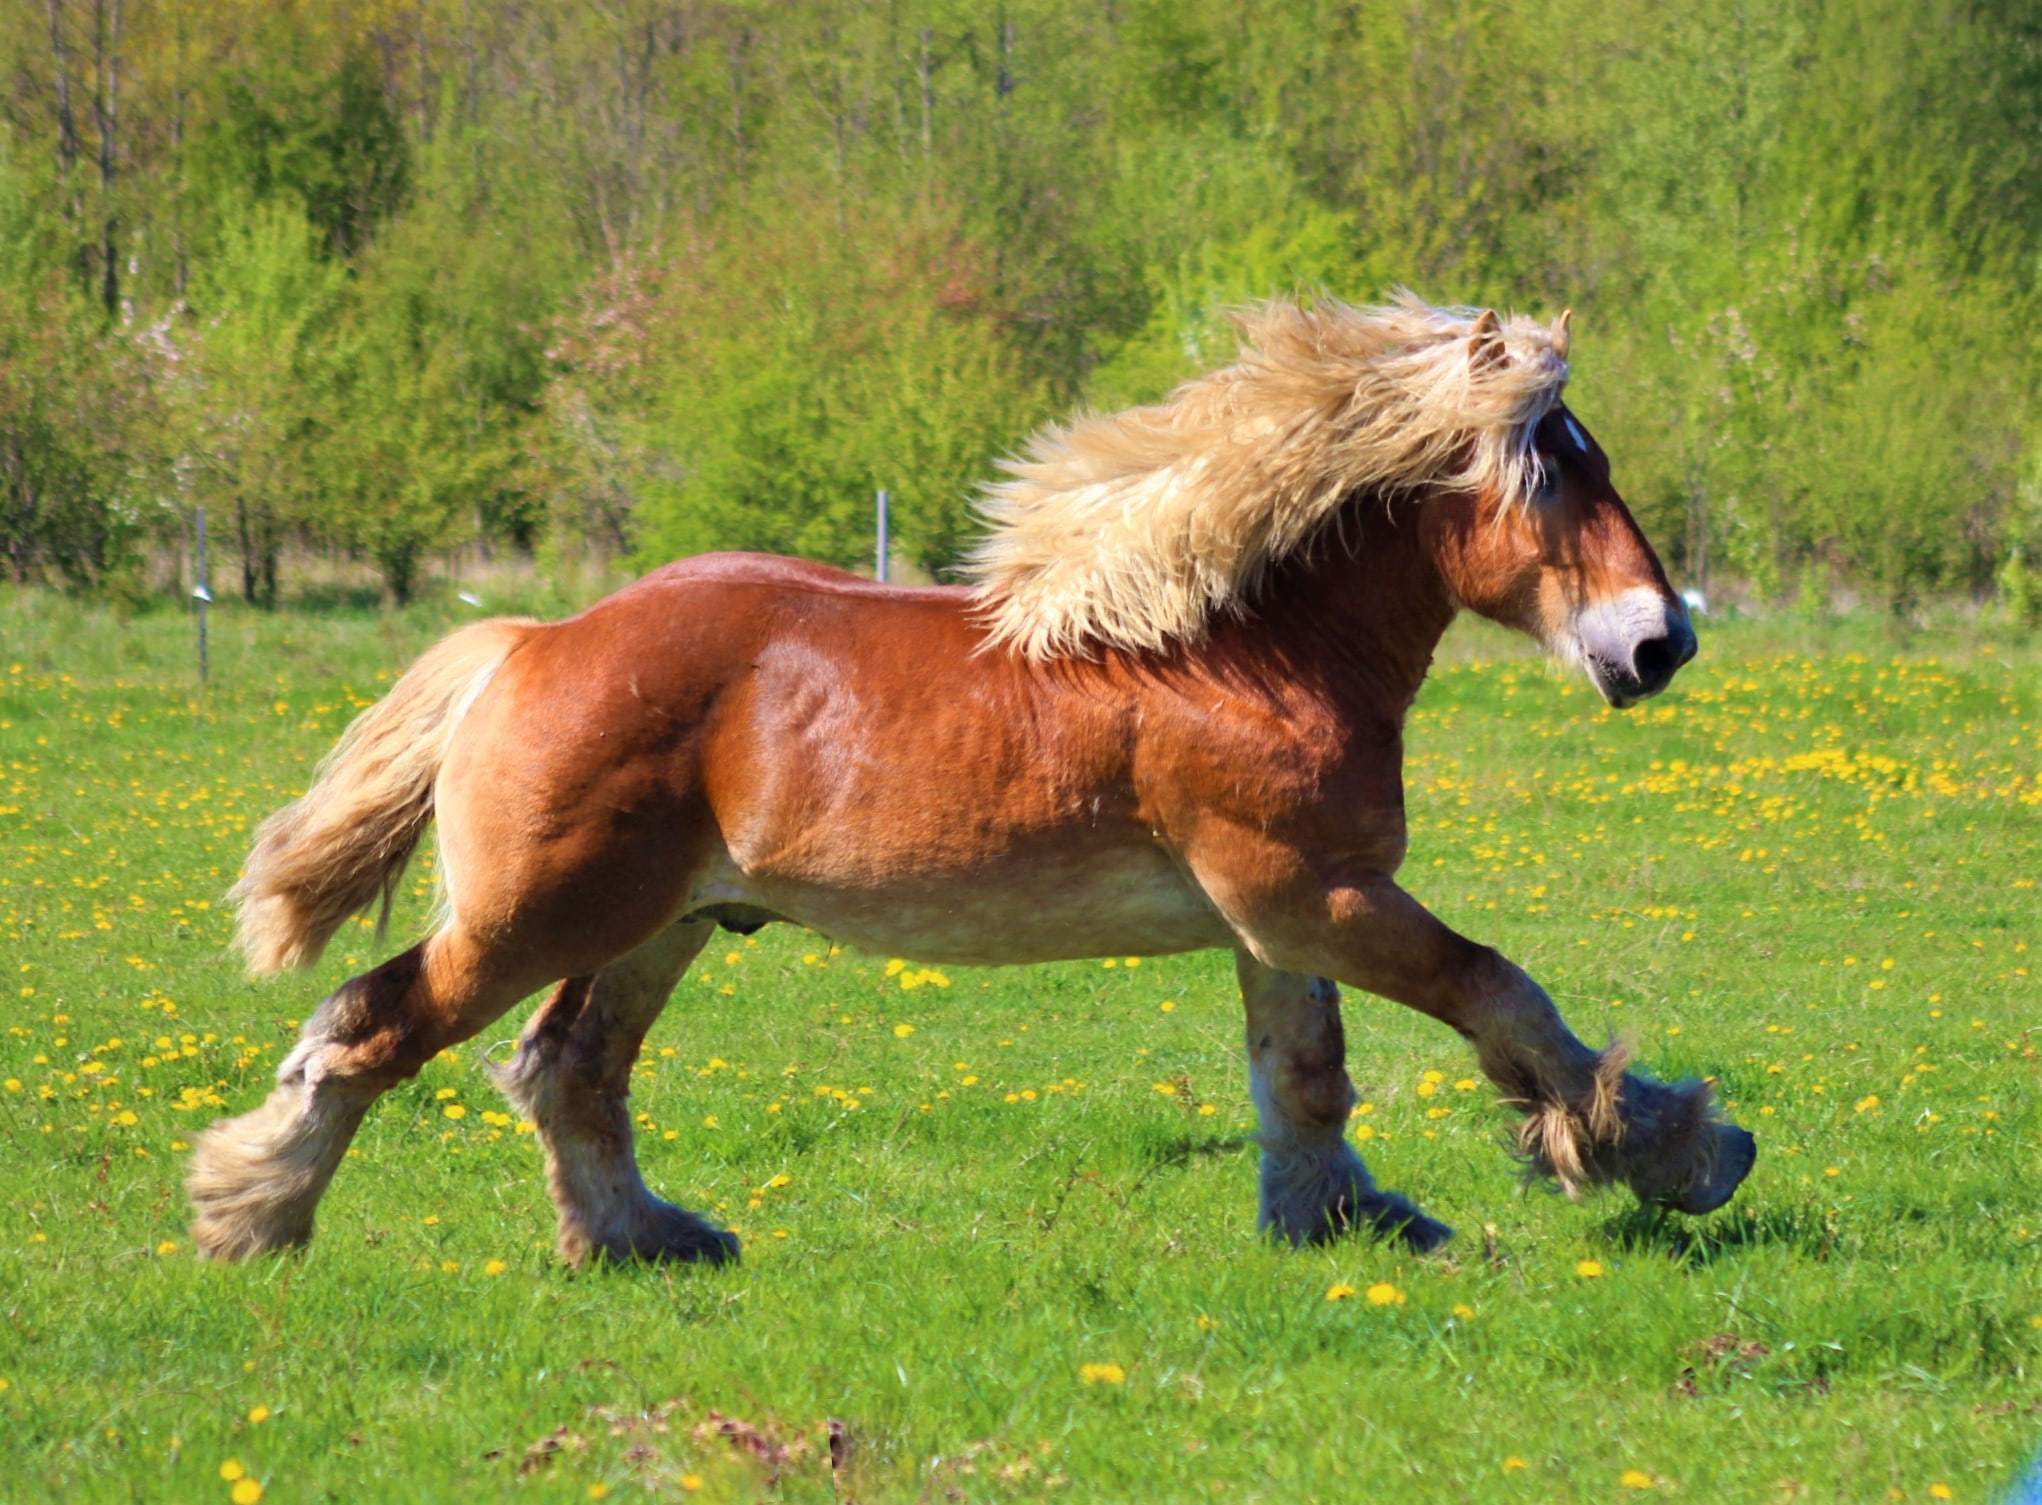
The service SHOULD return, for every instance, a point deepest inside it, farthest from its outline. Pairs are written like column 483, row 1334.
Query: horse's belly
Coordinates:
column 1109, row 903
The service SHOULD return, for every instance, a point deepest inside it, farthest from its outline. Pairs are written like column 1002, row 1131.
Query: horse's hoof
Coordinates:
column 1735, row 1152
column 660, row 1233
column 1422, row 1235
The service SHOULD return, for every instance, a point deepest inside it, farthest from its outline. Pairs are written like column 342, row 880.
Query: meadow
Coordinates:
column 999, row 1225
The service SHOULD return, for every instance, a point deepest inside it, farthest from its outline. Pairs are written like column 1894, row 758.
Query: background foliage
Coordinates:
column 649, row 276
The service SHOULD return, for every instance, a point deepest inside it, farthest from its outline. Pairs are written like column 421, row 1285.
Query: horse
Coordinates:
column 1163, row 712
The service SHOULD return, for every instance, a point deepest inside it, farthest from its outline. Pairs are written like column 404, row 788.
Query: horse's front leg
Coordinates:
column 1314, row 1185
column 1588, row 1121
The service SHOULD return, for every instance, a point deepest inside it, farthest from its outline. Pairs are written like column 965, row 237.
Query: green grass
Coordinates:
column 1810, row 872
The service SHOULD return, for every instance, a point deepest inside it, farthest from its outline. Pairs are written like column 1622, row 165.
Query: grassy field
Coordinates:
column 999, row 1225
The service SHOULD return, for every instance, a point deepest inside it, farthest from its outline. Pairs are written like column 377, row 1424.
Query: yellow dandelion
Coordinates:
column 1514, row 1464
column 1635, row 1478
column 245, row 1492
column 1589, row 1269
column 1340, row 1290
column 1382, row 1293
column 1101, row 1374
column 495, row 1267
column 691, row 1482
column 1463, row 1311
column 257, row 1415
column 902, row 1031
column 1941, row 1491
column 597, row 1491
column 454, row 1110
column 232, row 1470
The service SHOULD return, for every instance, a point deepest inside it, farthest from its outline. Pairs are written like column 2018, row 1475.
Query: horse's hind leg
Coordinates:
column 1314, row 1185
column 572, row 1075
column 256, row 1179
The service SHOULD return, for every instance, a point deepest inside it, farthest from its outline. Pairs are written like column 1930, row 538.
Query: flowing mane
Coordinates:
column 1133, row 529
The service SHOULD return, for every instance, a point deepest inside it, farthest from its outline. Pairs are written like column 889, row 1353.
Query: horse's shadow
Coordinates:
column 1182, row 1149
column 1645, row 1230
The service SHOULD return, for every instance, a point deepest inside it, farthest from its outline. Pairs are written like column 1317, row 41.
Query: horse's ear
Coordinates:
column 1485, row 341
column 1563, row 340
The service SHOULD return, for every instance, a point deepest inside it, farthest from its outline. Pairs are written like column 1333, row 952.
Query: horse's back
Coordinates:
column 770, row 734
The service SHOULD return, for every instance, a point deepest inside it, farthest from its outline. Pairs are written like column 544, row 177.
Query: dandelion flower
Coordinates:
column 1382, row 1293
column 1101, row 1374
column 1941, row 1491
column 1340, row 1290
column 1589, row 1269
column 1514, row 1464
column 245, row 1492
column 257, row 1415
column 1635, row 1478
column 902, row 1031
column 232, row 1470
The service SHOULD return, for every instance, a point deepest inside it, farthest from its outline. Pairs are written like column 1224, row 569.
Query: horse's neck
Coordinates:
column 1357, row 619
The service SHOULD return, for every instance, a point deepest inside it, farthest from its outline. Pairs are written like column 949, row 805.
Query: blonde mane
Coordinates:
column 1133, row 529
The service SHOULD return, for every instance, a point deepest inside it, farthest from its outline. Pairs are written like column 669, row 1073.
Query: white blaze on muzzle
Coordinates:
column 1632, row 643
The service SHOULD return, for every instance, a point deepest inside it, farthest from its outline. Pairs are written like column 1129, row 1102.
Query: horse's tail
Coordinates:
column 346, row 841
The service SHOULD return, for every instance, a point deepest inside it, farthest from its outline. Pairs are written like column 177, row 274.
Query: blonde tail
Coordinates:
column 345, row 843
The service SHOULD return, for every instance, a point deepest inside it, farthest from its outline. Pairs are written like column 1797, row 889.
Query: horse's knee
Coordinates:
column 1313, row 1090
column 1298, row 1057
column 367, row 1031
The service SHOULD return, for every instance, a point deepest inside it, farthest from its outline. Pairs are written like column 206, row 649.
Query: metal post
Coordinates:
column 885, row 543
column 202, row 593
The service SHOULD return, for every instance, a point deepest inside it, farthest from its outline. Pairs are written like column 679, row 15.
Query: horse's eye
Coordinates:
column 1548, row 489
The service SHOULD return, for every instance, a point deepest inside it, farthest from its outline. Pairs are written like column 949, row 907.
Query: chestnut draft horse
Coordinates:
column 1165, row 715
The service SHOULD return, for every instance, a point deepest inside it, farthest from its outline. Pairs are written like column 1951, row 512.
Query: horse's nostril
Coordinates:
column 1655, row 659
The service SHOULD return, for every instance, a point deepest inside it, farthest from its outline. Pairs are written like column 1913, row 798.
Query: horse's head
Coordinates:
column 1568, row 564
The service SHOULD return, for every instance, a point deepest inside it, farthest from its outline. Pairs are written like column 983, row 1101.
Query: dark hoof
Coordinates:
column 1421, row 1235
column 664, row 1234
column 1735, row 1152
column 1395, row 1217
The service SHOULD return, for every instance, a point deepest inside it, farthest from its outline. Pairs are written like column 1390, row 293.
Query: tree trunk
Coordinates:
column 925, row 72
column 266, row 585
column 106, row 98
column 740, row 44
column 247, row 550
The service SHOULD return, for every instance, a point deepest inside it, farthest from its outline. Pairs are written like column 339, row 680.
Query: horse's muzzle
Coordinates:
column 1634, row 644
